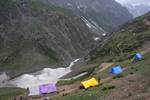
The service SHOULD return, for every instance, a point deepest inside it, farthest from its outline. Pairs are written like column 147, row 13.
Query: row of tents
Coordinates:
column 115, row 70
column 50, row 88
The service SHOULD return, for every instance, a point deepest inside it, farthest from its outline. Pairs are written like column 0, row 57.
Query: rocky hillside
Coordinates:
column 132, row 84
column 99, row 15
column 34, row 35
column 134, row 35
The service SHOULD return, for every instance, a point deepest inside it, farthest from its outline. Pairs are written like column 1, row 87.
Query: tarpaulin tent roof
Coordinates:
column 47, row 88
column 116, row 70
column 34, row 91
column 138, row 56
column 90, row 83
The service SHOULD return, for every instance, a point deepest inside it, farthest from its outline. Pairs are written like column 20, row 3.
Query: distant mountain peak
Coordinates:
column 136, row 7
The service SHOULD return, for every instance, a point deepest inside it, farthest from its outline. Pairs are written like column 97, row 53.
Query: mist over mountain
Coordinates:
column 136, row 7
column 138, row 10
column 134, row 2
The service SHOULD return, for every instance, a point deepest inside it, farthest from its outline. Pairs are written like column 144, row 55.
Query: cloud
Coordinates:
column 134, row 1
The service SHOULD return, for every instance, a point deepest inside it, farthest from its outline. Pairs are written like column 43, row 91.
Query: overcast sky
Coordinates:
column 134, row 1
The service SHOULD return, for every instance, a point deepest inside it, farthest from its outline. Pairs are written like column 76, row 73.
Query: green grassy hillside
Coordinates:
column 10, row 93
column 120, row 49
column 122, row 44
column 103, row 91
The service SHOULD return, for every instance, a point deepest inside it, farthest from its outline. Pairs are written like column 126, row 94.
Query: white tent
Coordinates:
column 34, row 91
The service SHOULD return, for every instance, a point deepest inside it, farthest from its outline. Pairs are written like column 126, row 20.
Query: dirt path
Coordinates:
column 104, row 66
column 68, row 89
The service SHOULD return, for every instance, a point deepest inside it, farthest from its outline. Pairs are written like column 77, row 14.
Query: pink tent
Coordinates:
column 47, row 88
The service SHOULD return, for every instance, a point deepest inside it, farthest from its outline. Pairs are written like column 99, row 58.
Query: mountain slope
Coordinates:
column 133, row 36
column 132, row 84
column 34, row 35
column 118, row 50
column 106, row 15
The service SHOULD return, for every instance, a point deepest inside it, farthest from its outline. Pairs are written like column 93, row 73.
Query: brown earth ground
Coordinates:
column 131, row 87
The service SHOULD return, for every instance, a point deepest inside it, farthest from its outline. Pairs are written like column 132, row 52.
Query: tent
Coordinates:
column 42, row 89
column 47, row 88
column 34, row 91
column 138, row 56
column 116, row 70
column 90, row 83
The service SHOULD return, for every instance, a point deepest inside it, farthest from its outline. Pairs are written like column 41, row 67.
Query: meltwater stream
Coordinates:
column 45, row 76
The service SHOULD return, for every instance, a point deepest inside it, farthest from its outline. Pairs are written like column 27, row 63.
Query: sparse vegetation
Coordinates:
column 10, row 93
column 118, row 76
column 121, row 47
column 108, row 87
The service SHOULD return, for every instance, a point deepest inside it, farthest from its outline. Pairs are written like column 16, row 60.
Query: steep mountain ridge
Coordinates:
column 107, row 14
column 34, row 35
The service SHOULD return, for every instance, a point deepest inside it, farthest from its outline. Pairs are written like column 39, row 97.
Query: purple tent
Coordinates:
column 47, row 88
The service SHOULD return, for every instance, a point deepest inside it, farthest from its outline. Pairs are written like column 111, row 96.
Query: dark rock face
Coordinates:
column 33, row 36
column 107, row 14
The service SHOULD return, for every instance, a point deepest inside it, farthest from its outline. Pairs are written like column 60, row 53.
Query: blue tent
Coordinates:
column 138, row 56
column 116, row 70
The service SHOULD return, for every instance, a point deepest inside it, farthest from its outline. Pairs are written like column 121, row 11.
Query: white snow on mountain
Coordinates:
column 93, row 26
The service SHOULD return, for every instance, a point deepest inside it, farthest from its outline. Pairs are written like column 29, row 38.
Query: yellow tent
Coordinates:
column 90, row 83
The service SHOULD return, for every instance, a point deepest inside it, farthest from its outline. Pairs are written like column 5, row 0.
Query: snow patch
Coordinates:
column 69, row 4
column 93, row 26
column 3, row 78
column 96, row 38
column 45, row 76
column 104, row 34
column 81, row 6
